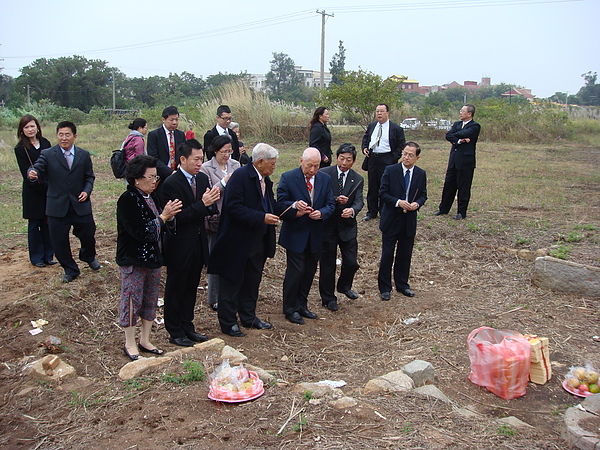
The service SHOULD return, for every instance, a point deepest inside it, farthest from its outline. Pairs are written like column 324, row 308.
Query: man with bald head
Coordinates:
column 304, row 200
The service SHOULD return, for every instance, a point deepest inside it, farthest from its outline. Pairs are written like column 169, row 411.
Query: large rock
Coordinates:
column 141, row 366
column 396, row 381
column 431, row 391
column 513, row 422
column 61, row 371
column 265, row 376
column 215, row 346
column 566, row 276
column 576, row 436
column 317, row 390
column 421, row 372
column 233, row 355
column 344, row 403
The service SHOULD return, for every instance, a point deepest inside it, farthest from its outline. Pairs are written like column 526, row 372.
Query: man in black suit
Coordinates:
column 381, row 145
column 246, row 238
column 70, row 175
column 224, row 118
column 461, row 164
column 163, row 142
column 304, row 201
column 403, row 192
column 340, row 228
column 186, row 250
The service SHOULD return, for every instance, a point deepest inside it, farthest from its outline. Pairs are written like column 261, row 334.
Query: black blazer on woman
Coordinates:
column 138, row 231
column 320, row 138
column 34, row 194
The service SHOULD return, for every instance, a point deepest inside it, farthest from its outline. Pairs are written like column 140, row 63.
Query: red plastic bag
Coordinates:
column 499, row 361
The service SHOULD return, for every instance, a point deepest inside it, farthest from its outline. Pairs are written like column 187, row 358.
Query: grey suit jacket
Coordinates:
column 64, row 185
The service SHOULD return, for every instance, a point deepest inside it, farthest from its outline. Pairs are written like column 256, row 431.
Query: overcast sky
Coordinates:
column 541, row 45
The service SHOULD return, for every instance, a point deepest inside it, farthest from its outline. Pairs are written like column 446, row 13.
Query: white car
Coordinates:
column 411, row 123
column 439, row 124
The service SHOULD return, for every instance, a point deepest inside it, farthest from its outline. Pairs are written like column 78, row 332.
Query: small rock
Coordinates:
column 421, row 372
column 513, row 422
column 265, row 376
column 317, row 390
column 315, row 401
column 396, row 381
column 142, row 366
column 432, row 391
column 233, row 355
column 467, row 413
column 61, row 372
column 284, row 358
column 343, row 403
column 76, row 384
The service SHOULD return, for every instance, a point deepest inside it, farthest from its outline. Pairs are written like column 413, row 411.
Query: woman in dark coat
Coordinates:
column 31, row 143
column 140, row 223
column 320, row 137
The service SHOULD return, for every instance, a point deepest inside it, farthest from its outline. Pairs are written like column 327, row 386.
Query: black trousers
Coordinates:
column 349, row 251
column 299, row 275
column 403, row 245
column 377, row 164
column 239, row 296
column 180, row 294
column 84, row 228
column 457, row 180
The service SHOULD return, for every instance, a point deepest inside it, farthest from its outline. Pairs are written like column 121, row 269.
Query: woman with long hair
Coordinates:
column 30, row 146
column 320, row 136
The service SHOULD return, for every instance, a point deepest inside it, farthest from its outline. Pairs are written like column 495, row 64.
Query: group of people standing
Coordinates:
column 223, row 213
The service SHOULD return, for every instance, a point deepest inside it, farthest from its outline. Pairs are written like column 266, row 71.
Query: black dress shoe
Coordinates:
column 259, row 325
column 154, row 351
column 214, row 306
column 235, row 332
column 331, row 306
column 131, row 357
column 407, row 292
column 181, row 341
column 196, row 337
column 439, row 213
column 367, row 218
column 308, row 314
column 68, row 278
column 350, row 294
column 295, row 318
column 39, row 264
column 95, row 265
column 459, row 216
column 50, row 263
column 385, row 296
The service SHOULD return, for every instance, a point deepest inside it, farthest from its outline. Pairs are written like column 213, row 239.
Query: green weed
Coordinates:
column 407, row 428
column 561, row 252
column 308, row 395
column 192, row 371
column 573, row 236
column 520, row 240
column 506, row 430
column 301, row 425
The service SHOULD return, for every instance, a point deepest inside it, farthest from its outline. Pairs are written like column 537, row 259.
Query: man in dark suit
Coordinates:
column 461, row 164
column 382, row 144
column 340, row 228
column 224, row 118
column 163, row 141
column 246, row 238
column 403, row 192
column 186, row 250
column 304, row 201
column 70, row 175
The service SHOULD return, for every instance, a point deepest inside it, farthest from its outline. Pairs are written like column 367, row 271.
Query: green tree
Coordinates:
column 590, row 93
column 358, row 93
column 145, row 90
column 213, row 81
column 337, row 64
column 6, row 88
column 282, row 79
column 72, row 82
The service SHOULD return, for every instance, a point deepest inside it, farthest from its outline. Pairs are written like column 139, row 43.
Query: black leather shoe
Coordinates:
column 68, row 278
column 439, row 213
column 407, row 292
column 385, row 296
column 235, row 332
column 259, row 325
column 214, row 306
column 350, row 294
column 130, row 356
column 295, row 318
column 95, row 265
column 154, row 351
column 331, row 306
column 196, row 337
column 367, row 218
column 39, row 264
column 459, row 216
column 50, row 263
column 181, row 341
column 308, row 314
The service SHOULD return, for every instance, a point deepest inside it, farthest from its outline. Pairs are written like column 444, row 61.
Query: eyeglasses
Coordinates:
column 227, row 119
column 408, row 155
column 151, row 177
column 226, row 152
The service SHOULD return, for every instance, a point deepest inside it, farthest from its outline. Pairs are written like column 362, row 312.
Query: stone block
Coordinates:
column 566, row 276
column 421, row 372
column 431, row 391
column 61, row 372
column 141, row 366
column 317, row 390
column 344, row 403
column 396, row 381
column 233, row 355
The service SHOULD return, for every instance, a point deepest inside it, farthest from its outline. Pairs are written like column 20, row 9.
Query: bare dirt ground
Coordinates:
column 462, row 280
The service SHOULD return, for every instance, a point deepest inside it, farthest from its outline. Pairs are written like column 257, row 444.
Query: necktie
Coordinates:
column 341, row 182
column 378, row 135
column 263, row 186
column 193, row 185
column 308, row 185
column 172, row 151
column 463, row 125
column 407, row 182
column 68, row 158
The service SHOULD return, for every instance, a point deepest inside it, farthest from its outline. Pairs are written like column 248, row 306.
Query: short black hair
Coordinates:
column 471, row 109
column 170, row 111
column 185, row 148
column 66, row 124
column 218, row 143
column 387, row 108
column 413, row 145
column 347, row 148
column 223, row 109
column 136, row 168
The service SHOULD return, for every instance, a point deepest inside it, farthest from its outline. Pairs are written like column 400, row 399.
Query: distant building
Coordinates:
column 310, row 78
column 520, row 92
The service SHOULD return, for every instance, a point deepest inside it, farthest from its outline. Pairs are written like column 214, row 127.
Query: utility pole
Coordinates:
column 28, row 97
column 323, row 14
column 113, row 86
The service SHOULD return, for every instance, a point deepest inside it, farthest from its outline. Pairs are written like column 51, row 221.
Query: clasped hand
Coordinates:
column 210, row 196
column 172, row 208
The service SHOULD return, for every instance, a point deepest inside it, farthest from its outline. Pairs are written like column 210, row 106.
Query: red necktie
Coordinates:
column 172, row 151
column 308, row 185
